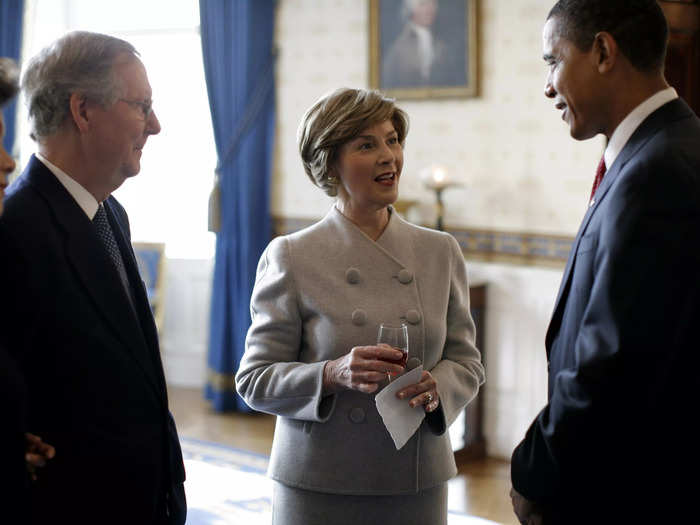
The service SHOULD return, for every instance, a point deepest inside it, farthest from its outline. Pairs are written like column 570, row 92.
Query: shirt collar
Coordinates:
column 422, row 32
column 631, row 122
column 83, row 197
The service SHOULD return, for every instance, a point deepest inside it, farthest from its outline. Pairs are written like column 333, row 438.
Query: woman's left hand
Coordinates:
column 422, row 393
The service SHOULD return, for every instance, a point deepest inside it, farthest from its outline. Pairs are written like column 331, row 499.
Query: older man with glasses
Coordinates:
column 78, row 320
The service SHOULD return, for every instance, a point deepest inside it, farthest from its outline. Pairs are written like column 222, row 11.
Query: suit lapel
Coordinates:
column 92, row 266
column 390, row 244
column 672, row 111
column 564, row 286
column 143, row 309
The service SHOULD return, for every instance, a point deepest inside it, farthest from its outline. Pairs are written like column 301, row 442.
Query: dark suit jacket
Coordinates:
column 13, row 472
column 614, row 441
column 91, row 362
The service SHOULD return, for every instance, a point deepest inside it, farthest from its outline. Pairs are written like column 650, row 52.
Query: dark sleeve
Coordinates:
column 18, row 292
column 635, row 344
column 13, row 474
column 435, row 421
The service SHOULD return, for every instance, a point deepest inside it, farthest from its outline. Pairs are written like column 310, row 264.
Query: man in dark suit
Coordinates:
column 76, row 316
column 613, row 444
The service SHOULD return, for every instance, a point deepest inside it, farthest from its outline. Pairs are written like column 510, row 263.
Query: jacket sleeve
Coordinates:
column 459, row 373
column 270, row 377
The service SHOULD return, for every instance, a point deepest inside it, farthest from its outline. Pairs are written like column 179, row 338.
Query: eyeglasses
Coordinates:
column 146, row 107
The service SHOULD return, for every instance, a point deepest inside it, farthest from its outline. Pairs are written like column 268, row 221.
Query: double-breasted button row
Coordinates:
column 352, row 276
column 359, row 317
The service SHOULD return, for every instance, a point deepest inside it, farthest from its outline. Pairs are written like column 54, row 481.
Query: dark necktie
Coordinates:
column 599, row 174
column 106, row 235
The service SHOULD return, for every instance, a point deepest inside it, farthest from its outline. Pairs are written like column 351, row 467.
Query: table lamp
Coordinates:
column 436, row 178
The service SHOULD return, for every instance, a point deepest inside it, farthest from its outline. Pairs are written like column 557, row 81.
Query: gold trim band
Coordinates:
column 529, row 249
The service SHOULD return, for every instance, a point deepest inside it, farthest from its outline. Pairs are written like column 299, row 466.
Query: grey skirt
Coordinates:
column 293, row 506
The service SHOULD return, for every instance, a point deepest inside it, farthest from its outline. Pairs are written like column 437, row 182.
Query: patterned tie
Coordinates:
column 599, row 173
column 104, row 232
column 106, row 235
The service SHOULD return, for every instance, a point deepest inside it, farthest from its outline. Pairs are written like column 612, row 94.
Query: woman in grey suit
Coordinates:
column 311, row 356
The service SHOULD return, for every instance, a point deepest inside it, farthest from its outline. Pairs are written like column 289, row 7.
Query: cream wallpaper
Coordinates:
column 519, row 168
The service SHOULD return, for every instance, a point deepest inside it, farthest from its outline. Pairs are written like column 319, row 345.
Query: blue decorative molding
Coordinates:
column 521, row 248
column 536, row 249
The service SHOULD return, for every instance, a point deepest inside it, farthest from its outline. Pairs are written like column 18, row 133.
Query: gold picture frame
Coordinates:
column 150, row 259
column 412, row 56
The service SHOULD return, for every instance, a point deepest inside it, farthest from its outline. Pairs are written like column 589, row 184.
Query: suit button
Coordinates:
column 412, row 363
column 405, row 276
column 352, row 275
column 359, row 317
column 357, row 415
column 413, row 316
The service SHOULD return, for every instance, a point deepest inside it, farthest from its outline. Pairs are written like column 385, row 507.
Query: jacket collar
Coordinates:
column 392, row 243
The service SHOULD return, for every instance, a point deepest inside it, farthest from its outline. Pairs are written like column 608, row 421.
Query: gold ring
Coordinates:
column 429, row 398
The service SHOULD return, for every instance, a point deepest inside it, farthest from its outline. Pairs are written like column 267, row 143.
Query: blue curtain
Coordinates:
column 239, row 58
column 11, row 14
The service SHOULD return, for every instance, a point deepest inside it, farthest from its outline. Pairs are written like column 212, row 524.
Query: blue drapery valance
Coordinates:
column 237, row 43
column 11, row 14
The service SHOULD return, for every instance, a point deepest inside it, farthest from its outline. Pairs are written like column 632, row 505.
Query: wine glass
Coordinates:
column 397, row 338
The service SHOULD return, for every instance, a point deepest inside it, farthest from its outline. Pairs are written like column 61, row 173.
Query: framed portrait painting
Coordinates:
column 150, row 258
column 423, row 48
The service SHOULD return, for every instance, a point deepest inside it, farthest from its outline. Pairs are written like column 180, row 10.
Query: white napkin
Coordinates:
column 399, row 418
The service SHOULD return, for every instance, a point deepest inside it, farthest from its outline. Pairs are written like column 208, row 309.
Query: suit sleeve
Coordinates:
column 634, row 336
column 18, row 305
column 270, row 377
column 459, row 373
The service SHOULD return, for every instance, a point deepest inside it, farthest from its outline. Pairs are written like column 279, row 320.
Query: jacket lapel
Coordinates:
column 143, row 309
column 93, row 268
column 672, row 111
column 392, row 244
column 554, row 324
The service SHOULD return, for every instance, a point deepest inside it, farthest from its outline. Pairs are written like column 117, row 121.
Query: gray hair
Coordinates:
column 78, row 62
column 336, row 119
column 9, row 74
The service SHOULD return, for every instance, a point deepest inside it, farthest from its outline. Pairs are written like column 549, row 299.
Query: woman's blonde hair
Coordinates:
column 336, row 119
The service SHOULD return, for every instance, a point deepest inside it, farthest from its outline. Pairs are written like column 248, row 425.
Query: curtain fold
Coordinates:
column 239, row 57
column 11, row 15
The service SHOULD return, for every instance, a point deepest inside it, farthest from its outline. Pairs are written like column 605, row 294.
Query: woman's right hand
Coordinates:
column 363, row 368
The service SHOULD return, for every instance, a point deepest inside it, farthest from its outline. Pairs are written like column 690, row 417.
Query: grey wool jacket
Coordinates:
column 323, row 290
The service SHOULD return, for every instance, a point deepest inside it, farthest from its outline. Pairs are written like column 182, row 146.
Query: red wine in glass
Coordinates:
column 397, row 338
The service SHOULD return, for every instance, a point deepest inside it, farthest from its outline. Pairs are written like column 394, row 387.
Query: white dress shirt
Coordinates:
column 425, row 49
column 631, row 122
column 83, row 197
